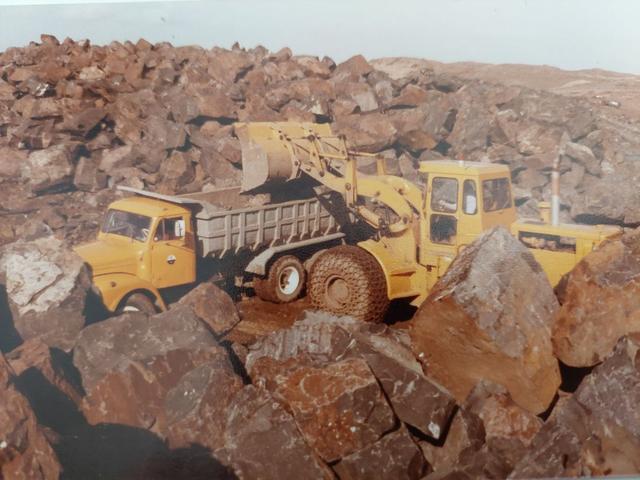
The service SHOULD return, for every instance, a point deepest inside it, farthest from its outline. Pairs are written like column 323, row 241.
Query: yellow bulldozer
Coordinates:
column 417, row 229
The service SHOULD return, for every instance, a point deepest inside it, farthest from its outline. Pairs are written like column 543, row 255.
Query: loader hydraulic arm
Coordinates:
column 285, row 151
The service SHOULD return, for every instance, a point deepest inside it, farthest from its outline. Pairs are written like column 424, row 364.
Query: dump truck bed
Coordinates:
column 227, row 223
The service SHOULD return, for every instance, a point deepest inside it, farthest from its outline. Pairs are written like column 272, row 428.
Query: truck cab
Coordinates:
column 144, row 245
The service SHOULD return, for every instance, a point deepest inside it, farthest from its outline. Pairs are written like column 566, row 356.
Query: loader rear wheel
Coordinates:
column 346, row 280
column 283, row 283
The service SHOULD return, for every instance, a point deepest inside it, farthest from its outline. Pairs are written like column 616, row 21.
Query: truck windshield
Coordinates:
column 496, row 194
column 127, row 224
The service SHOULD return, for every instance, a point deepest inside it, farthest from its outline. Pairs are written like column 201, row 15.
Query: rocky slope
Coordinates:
column 473, row 386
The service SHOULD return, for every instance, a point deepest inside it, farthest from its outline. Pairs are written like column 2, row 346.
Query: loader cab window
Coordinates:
column 469, row 198
column 444, row 195
column 496, row 194
column 170, row 229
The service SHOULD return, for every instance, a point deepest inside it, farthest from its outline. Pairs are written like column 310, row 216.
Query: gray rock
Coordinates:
column 47, row 288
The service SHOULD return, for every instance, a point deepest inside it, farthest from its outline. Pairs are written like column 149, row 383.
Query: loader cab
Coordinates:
column 462, row 199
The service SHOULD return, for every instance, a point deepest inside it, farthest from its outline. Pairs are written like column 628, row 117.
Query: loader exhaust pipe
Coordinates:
column 555, row 191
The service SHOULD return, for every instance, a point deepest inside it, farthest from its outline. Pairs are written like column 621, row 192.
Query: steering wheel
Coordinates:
column 145, row 233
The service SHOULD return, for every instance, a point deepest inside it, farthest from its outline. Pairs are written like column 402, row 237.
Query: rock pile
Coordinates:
column 76, row 119
column 196, row 393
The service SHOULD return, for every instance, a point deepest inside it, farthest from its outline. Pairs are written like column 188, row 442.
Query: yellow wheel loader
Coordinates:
column 417, row 231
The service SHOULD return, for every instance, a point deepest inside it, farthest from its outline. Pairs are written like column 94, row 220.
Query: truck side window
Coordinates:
column 444, row 229
column 170, row 229
column 496, row 194
column 444, row 195
column 469, row 198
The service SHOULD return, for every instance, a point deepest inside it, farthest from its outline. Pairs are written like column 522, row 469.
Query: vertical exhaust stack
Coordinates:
column 555, row 191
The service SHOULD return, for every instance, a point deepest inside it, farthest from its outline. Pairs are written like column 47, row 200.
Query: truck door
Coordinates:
column 172, row 253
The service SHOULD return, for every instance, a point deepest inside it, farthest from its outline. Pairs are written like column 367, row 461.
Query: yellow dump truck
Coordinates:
column 410, row 233
column 150, row 243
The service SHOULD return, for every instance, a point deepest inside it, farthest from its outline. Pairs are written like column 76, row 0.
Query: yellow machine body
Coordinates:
column 420, row 230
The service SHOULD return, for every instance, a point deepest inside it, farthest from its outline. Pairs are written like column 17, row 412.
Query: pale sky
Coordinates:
column 570, row 34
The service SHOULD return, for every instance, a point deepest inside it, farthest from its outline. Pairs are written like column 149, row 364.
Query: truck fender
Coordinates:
column 115, row 287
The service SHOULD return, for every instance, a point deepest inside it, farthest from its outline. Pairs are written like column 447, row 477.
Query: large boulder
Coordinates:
column 338, row 407
column 488, row 436
column 600, row 303
column 213, row 306
column 596, row 432
column 47, row 288
column 394, row 457
column 262, row 440
column 196, row 408
column 25, row 453
column 116, row 343
column 489, row 318
column 416, row 399
column 135, row 395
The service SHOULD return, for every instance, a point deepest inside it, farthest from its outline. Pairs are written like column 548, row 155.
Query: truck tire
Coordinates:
column 284, row 282
column 138, row 302
column 347, row 280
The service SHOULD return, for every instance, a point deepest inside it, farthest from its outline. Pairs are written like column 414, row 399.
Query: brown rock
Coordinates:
column 11, row 162
column 584, row 156
column 164, row 133
column 599, row 303
column 352, row 69
column 596, row 432
column 25, row 453
column 134, row 394
column 361, row 93
column 489, row 317
column 115, row 343
column 415, row 399
column 410, row 97
column 213, row 306
column 214, row 104
column 197, row 407
column 339, row 408
column 313, row 67
column 394, row 457
column 34, row 358
column 256, row 420
column 47, row 289
column 49, row 170
column 86, row 177
column 178, row 169
column 83, row 122
column 369, row 133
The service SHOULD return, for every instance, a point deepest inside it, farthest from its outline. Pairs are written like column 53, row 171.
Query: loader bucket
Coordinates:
column 268, row 151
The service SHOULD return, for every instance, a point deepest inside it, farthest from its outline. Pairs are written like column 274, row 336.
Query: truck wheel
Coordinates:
column 346, row 280
column 138, row 302
column 283, row 283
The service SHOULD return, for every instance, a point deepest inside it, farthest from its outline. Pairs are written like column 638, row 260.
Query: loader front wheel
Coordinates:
column 347, row 280
column 284, row 282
